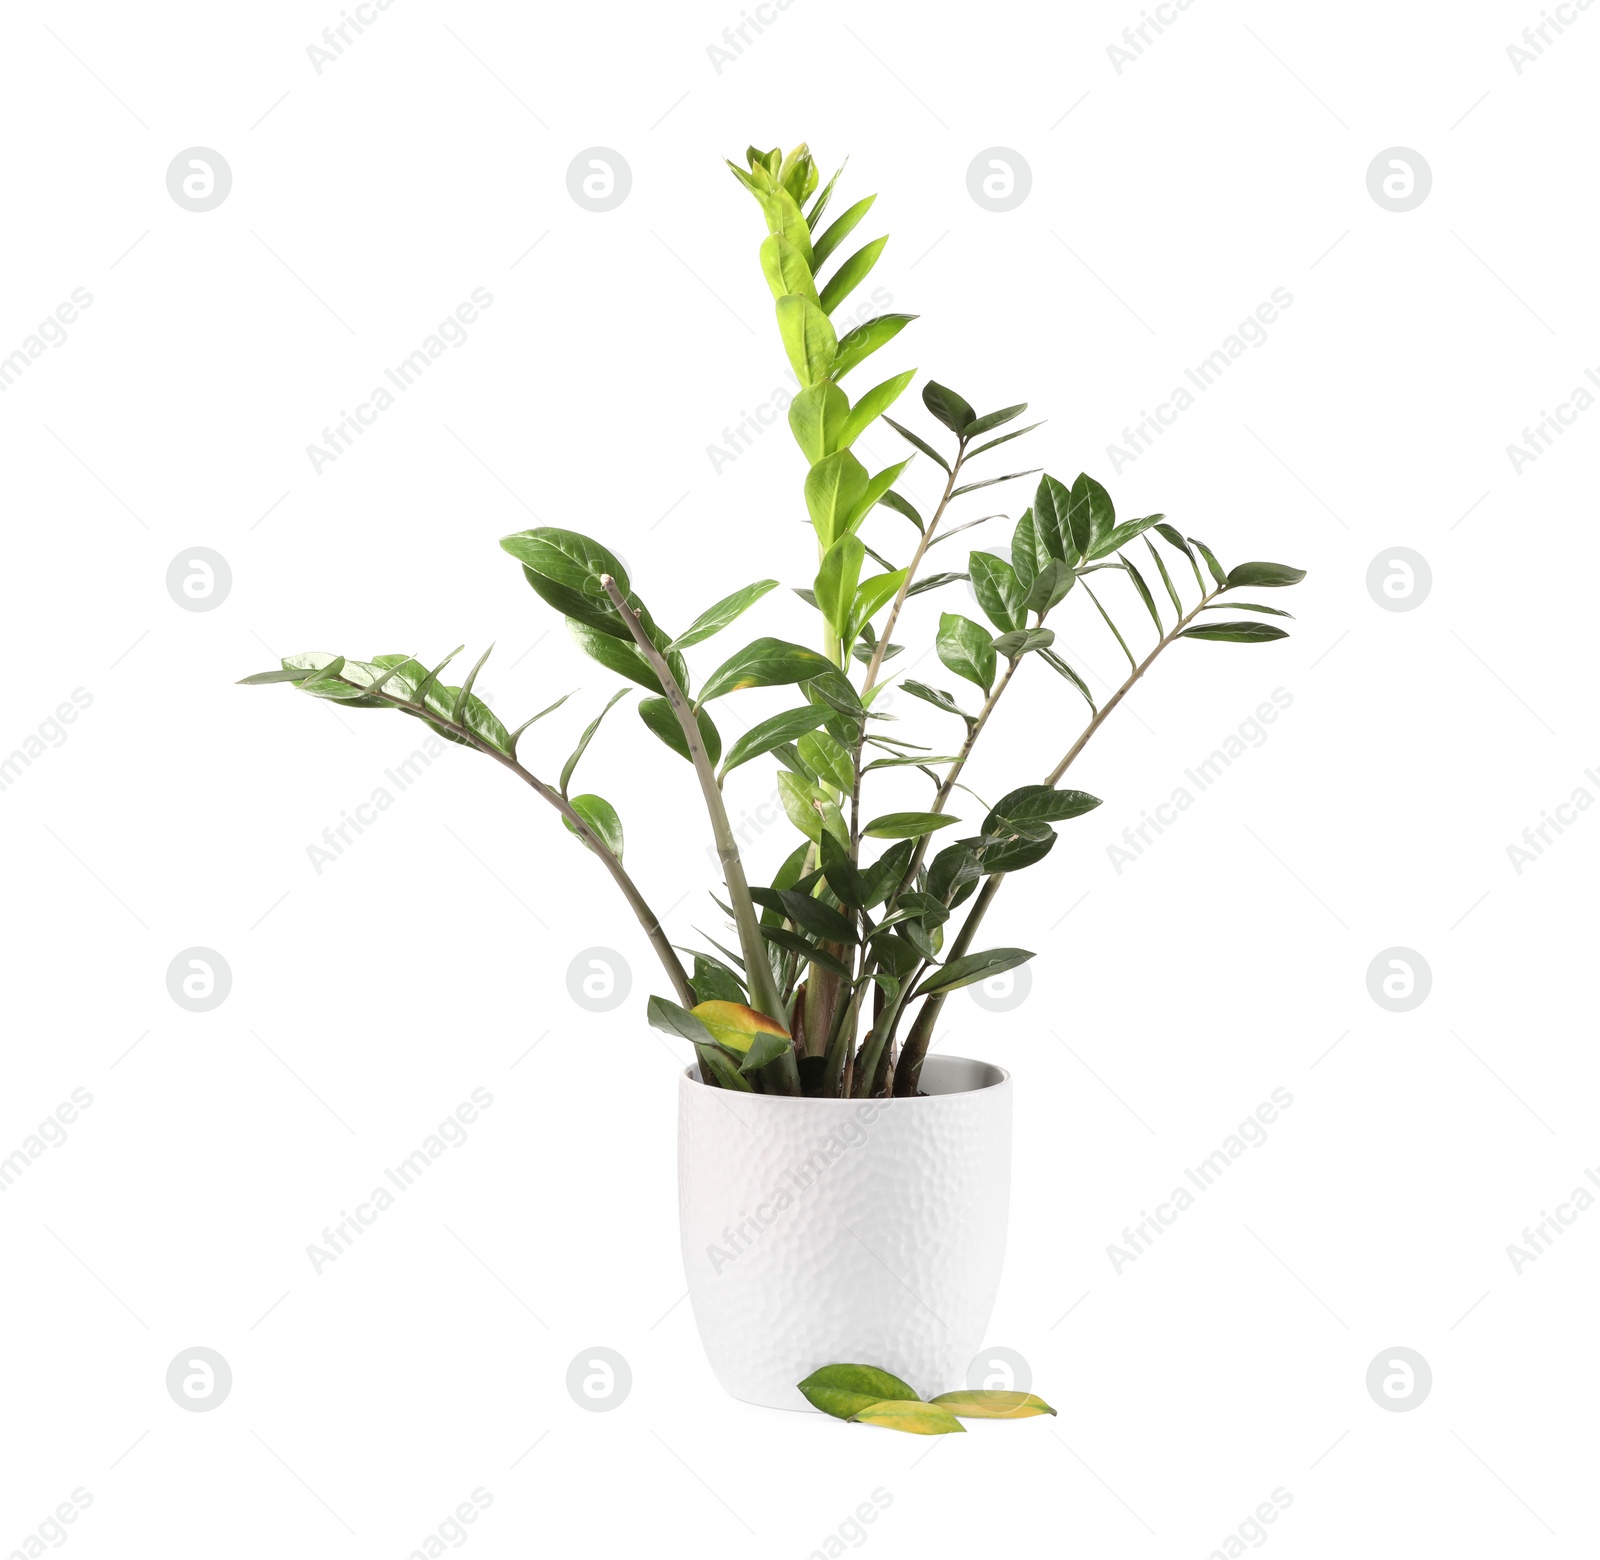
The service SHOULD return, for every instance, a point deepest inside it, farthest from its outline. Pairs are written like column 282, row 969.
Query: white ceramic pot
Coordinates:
column 822, row 1232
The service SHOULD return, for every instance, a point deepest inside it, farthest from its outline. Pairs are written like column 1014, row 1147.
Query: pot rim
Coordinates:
column 1000, row 1078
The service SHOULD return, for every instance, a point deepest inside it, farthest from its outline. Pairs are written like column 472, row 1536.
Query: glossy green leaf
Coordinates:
column 802, row 803
column 972, row 968
column 1241, row 633
column 859, row 344
column 1010, row 476
column 936, row 697
column 953, row 867
column 871, row 596
column 877, row 488
column 765, row 1048
column 881, row 878
column 1020, row 641
column 1244, row 606
column 829, row 1387
column 1056, row 664
column 834, row 488
column 872, row 405
column 785, row 268
column 907, row 825
column 933, row 582
column 1038, row 804
column 844, row 879
column 765, row 663
column 715, row 982
column 817, row 417
column 658, row 715
column 677, row 1021
column 567, row 558
column 1000, row 593
column 773, row 732
column 804, row 948
column 1052, row 502
column 808, row 338
column 588, row 737
column 851, row 274
column 839, row 230
column 812, row 915
column 1090, row 517
column 1211, row 563
column 918, row 443
column 1005, row 438
column 995, row 419
column 966, row 649
column 1166, row 579
column 814, row 216
column 828, row 758
column 1144, row 592
column 602, row 817
column 948, row 407
column 716, row 618
column 1119, row 536
column 784, row 218
column 1263, row 574
column 620, row 656
column 1052, row 582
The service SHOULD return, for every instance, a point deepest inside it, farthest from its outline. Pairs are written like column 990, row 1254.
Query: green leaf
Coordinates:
column 620, row 656
column 1120, row 535
column 765, row 663
column 1166, row 579
column 658, row 715
column 602, row 817
column 917, row 443
column 828, row 1388
column 952, row 868
column 716, row 618
column 785, row 268
column 907, row 825
column 859, row 344
column 877, row 488
column 1025, row 557
column 873, row 404
column 587, row 738
column 765, row 1048
column 567, row 558
column 933, row 582
column 851, row 274
column 1005, row 438
column 949, row 408
column 1090, row 516
column 1010, row 476
column 817, row 417
column 1144, row 592
column 966, row 650
column 936, row 697
column 671, row 1019
column 814, row 216
column 995, row 419
column 1016, row 850
column 1055, row 663
column 715, row 982
column 835, row 584
column 982, row 1404
column 1052, row 502
column 827, row 756
column 1241, row 633
column 1038, row 804
column 911, row 1418
column 1051, row 583
column 839, row 230
column 872, row 595
column 780, row 937
column 782, row 212
column 808, row 338
column 813, row 916
column 884, row 875
column 844, row 880
column 1244, row 606
column 773, row 732
column 835, row 690
column 1211, row 563
column 834, row 488
column 1019, row 642
column 971, row 969
column 293, row 674
column 801, row 801
column 1263, row 574
column 1000, row 593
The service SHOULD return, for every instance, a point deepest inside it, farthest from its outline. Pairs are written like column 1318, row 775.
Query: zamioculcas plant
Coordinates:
column 849, row 949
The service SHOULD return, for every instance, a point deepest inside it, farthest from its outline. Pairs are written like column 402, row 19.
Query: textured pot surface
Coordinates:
column 820, row 1232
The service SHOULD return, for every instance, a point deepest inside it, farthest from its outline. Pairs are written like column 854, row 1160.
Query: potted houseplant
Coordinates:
column 838, row 1182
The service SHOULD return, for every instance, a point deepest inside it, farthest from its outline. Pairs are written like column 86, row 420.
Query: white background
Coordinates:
column 370, row 999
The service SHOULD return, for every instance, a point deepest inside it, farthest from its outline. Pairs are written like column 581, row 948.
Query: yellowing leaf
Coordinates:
column 994, row 1405
column 912, row 1418
column 736, row 1025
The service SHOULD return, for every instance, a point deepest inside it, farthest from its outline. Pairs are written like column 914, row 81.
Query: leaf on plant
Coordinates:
column 936, row 697
column 1019, row 643
column 835, row 584
column 715, row 982
column 918, row 443
column 980, row 1404
column 587, row 738
column 873, row 404
column 735, row 1025
column 765, row 663
column 933, row 582
column 602, row 817
column 1038, row 804
column 716, row 618
column 971, row 968
column 842, row 227
column 773, row 732
column 1211, row 563
column 1240, row 633
column 966, row 649
column 948, row 407
column 782, row 937
column 1000, row 593
column 851, row 274
column 827, row 756
column 621, row 656
column 658, row 715
column 1263, row 574
column 907, row 825
column 826, row 1388
column 994, row 419
column 871, row 596
column 912, row 1418
column 859, row 344
column 808, row 338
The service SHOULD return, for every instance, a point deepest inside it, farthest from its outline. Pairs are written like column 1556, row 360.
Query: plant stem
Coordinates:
column 764, row 993
column 908, row 1074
